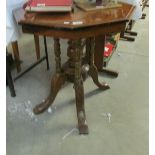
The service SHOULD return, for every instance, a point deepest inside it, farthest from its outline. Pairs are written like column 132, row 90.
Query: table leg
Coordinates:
column 75, row 57
column 9, row 77
column 57, row 81
column 16, row 55
column 98, row 56
column 37, row 46
column 93, row 72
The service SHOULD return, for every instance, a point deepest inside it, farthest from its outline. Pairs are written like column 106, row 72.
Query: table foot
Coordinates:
column 131, row 33
column 109, row 72
column 93, row 72
column 40, row 108
column 83, row 129
column 57, row 81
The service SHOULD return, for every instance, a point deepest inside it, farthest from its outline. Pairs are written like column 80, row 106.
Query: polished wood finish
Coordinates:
column 56, row 82
column 88, row 19
column 58, row 25
column 76, row 58
column 57, row 52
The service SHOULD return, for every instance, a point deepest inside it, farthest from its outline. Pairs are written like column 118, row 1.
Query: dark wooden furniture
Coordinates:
column 17, row 55
column 79, row 28
column 10, row 80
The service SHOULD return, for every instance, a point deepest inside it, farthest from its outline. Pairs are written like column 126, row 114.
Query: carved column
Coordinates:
column 75, row 61
column 57, row 52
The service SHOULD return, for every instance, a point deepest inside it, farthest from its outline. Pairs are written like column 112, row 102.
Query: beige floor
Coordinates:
column 55, row 133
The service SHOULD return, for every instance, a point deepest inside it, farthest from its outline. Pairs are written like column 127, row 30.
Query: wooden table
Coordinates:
column 79, row 28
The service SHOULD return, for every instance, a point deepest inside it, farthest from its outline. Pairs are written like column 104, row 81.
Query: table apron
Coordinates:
column 75, row 33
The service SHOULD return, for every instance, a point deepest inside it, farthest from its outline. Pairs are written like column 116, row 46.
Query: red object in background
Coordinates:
column 49, row 5
column 36, row 3
column 108, row 49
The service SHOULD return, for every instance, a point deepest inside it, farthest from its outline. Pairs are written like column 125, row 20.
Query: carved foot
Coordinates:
column 57, row 81
column 82, row 124
column 94, row 74
column 109, row 72
column 40, row 108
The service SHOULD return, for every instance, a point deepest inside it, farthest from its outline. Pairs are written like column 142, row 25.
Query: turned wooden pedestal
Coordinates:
column 75, row 53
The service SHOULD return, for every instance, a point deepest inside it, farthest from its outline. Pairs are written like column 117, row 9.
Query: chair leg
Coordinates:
column 126, row 35
column 37, row 47
column 46, row 53
column 9, row 77
column 16, row 55
column 126, row 38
